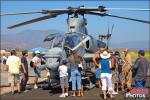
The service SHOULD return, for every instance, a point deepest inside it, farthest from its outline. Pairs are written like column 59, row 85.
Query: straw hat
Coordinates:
column 105, row 55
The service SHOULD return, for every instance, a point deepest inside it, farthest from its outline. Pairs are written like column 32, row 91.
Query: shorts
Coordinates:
column 64, row 82
column 37, row 73
column 106, row 81
column 13, row 79
column 98, row 73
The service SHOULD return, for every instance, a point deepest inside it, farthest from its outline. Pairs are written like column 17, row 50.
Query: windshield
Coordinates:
column 72, row 40
column 58, row 41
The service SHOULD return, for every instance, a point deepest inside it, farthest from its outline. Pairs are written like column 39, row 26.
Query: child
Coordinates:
column 63, row 74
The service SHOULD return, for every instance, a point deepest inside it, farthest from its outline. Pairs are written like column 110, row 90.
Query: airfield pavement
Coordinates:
column 44, row 93
column 53, row 94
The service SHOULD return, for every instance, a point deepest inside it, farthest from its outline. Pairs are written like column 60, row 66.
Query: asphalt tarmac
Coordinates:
column 53, row 94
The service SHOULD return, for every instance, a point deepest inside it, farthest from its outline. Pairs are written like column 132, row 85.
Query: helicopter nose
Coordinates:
column 53, row 63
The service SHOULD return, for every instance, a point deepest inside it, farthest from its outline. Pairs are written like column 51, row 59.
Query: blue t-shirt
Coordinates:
column 25, row 62
column 105, row 68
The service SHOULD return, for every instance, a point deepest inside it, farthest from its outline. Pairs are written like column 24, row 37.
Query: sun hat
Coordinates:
column 105, row 55
column 37, row 51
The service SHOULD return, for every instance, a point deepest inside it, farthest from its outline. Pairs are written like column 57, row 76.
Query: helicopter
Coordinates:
column 77, row 37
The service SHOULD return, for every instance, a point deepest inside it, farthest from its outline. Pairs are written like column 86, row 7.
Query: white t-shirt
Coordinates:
column 14, row 64
column 37, row 60
column 63, row 71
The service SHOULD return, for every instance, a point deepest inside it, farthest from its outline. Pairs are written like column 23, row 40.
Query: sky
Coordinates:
column 124, row 30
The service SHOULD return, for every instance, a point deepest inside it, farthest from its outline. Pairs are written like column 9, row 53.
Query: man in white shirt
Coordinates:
column 38, row 67
column 14, row 63
column 63, row 74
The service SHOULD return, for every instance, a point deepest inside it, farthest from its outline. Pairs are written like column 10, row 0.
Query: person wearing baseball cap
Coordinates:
column 141, row 53
column 37, row 52
column 38, row 67
column 140, row 70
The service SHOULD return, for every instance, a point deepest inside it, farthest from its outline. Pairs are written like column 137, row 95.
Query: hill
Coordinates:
column 26, row 39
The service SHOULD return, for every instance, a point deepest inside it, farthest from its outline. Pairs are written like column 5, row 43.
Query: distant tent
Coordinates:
column 39, row 49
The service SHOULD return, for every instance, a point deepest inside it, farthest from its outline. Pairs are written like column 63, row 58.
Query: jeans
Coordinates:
column 38, row 70
column 98, row 73
column 76, row 79
column 140, row 84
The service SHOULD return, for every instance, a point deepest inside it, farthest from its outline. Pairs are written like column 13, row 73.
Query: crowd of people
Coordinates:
column 112, row 71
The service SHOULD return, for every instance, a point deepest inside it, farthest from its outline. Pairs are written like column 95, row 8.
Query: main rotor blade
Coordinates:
column 22, row 13
column 130, row 9
column 34, row 20
column 133, row 19
column 104, row 14
column 80, row 9
column 103, row 9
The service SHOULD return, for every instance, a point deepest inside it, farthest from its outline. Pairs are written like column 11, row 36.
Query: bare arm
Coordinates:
column 110, row 64
column 22, row 65
column 43, row 60
column 94, row 59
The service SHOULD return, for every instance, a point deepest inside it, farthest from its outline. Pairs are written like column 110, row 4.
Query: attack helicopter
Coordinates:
column 77, row 37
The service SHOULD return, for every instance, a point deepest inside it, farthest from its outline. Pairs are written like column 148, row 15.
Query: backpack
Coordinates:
column 31, row 64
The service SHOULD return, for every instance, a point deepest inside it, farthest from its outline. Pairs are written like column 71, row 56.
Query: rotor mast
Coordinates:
column 77, row 24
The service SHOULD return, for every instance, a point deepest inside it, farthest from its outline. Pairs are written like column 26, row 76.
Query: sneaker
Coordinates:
column 112, row 93
column 115, row 92
column 66, row 94
column 26, row 90
column 35, row 86
column 62, row 95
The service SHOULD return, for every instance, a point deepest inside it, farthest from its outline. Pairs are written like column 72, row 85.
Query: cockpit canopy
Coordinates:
column 66, row 40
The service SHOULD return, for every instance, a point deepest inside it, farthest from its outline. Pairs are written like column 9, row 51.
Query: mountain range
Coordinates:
column 28, row 39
